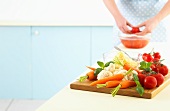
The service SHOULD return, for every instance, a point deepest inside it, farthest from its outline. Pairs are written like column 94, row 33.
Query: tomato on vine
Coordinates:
column 144, row 56
column 147, row 57
column 157, row 55
column 151, row 57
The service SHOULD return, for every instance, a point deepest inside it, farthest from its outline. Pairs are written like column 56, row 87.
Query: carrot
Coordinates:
column 90, row 76
column 109, row 84
column 92, row 68
column 127, row 67
column 104, row 80
column 127, row 83
column 123, row 85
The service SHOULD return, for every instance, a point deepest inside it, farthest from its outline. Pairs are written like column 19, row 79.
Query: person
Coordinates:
column 149, row 15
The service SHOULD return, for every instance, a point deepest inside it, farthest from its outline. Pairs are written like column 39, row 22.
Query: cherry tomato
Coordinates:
column 144, row 56
column 159, row 77
column 163, row 69
column 141, row 78
column 156, row 60
column 150, row 82
column 157, row 55
column 149, row 58
column 135, row 30
column 154, row 68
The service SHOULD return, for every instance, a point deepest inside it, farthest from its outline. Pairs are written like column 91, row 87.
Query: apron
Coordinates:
column 138, row 11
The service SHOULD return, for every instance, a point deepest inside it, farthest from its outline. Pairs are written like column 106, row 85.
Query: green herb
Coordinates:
column 97, row 71
column 135, row 77
column 140, row 90
column 101, row 64
column 108, row 63
column 139, row 87
column 145, row 66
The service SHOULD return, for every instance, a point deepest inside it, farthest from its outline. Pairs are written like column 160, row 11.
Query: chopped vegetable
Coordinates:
column 126, row 65
column 90, row 76
column 109, row 84
column 127, row 84
column 121, row 59
column 104, row 74
column 111, row 78
column 123, row 85
column 114, row 91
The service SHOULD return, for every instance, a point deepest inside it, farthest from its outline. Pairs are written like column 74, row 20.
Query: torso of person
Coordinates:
column 138, row 11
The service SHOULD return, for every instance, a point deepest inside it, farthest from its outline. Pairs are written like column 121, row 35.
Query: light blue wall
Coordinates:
column 59, row 55
column 15, row 62
column 38, row 65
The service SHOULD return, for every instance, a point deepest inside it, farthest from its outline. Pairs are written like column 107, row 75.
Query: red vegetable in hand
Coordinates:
column 135, row 30
column 150, row 82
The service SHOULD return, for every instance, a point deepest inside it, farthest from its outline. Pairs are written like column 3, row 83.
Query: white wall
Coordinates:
column 71, row 12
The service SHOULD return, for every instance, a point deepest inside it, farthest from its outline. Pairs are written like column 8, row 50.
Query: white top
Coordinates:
column 76, row 100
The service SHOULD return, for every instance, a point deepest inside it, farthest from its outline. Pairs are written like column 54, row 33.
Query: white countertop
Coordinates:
column 76, row 100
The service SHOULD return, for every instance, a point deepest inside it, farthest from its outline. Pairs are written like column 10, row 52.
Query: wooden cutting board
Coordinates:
column 125, row 92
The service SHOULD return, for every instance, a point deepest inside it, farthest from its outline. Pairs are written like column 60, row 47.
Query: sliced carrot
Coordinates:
column 111, row 78
column 127, row 83
column 109, row 84
column 92, row 68
column 90, row 76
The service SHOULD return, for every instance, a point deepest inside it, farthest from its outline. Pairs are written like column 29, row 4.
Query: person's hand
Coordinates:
column 149, row 25
column 123, row 24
